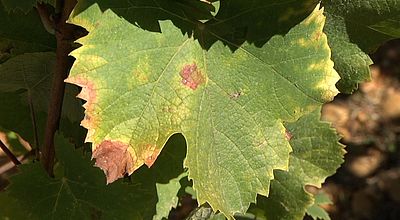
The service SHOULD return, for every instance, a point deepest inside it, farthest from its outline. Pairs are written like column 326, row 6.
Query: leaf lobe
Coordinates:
column 113, row 158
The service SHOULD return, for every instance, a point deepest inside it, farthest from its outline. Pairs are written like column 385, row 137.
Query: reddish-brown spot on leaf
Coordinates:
column 317, row 36
column 288, row 135
column 191, row 76
column 113, row 158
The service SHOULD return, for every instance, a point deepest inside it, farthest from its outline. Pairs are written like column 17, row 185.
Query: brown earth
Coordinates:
column 367, row 186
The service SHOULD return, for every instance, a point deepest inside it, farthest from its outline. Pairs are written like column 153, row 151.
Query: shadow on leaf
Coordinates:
column 236, row 21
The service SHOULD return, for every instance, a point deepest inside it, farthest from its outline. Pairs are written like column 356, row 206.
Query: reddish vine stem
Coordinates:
column 65, row 35
column 9, row 154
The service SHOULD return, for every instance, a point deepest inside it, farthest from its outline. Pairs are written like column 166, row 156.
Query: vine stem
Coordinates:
column 9, row 154
column 66, row 34
column 34, row 125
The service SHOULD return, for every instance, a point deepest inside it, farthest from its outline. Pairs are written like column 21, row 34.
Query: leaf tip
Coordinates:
column 113, row 158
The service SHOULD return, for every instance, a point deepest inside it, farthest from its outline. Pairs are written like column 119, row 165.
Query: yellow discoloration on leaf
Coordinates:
column 89, row 26
column 180, row 111
column 317, row 35
column 83, row 21
column 87, row 62
column 136, row 163
column 317, row 67
column 140, row 76
column 302, row 42
column 141, row 73
column 151, row 155
column 120, row 131
column 327, row 85
column 316, row 17
column 330, row 82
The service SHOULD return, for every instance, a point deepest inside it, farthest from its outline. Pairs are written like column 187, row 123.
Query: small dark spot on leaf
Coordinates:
column 236, row 95
column 191, row 76
column 113, row 158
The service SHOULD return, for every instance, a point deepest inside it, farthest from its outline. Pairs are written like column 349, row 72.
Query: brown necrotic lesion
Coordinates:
column 113, row 158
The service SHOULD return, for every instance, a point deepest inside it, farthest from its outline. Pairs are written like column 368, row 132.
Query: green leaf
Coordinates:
column 232, row 23
column 78, row 184
column 202, row 213
column 147, row 14
column 13, row 142
column 167, row 197
column 356, row 28
column 23, row 5
column 78, row 194
column 254, row 21
column 30, row 75
column 141, row 87
column 25, row 31
column 316, row 155
column 168, row 171
column 5, row 50
column 15, row 116
column 315, row 211
column 389, row 27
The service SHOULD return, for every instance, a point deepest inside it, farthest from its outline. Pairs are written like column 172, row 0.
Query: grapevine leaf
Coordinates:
column 235, row 20
column 75, row 175
column 168, row 171
column 5, row 52
column 356, row 28
column 141, row 87
column 167, row 197
column 316, row 155
column 77, row 194
column 30, row 73
column 390, row 27
column 23, row 5
column 202, row 213
column 30, row 76
column 25, row 31
column 169, row 164
column 315, row 211
column 13, row 142
column 147, row 14
column 15, row 116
